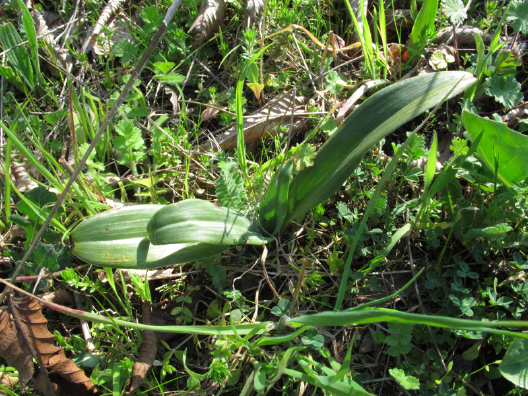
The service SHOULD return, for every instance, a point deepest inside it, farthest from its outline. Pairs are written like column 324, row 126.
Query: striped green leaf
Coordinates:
column 195, row 220
column 119, row 239
column 371, row 121
column 275, row 204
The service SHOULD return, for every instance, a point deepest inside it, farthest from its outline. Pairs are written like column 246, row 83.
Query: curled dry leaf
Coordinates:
column 253, row 9
column 209, row 19
column 7, row 381
column 23, row 182
column 24, row 336
column 264, row 123
column 209, row 113
column 108, row 20
column 147, row 352
column 513, row 116
column 62, row 56
column 59, row 296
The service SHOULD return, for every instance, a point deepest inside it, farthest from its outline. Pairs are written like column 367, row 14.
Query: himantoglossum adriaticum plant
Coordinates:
column 150, row 236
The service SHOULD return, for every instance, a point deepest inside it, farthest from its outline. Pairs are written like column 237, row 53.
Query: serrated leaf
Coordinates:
column 455, row 11
column 406, row 381
column 437, row 60
column 171, row 78
column 152, row 18
column 505, row 90
column 304, row 157
column 518, row 16
column 129, row 143
column 230, row 186
column 334, row 82
column 218, row 275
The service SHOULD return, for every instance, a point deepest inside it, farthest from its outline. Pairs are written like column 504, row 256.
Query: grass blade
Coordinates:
column 423, row 26
column 31, row 34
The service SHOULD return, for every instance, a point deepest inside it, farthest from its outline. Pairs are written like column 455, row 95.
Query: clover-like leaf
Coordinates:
column 505, row 90
column 129, row 143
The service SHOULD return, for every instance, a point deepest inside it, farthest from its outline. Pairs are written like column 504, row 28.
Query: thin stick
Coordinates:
column 263, row 259
column 298, row 288
column 128, row 87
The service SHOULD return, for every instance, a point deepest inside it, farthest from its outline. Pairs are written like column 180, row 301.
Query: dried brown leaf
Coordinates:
column 209, row 113
column 264, row 123
column 209, row 19
column 109, row 20
column 23, row 182
column 147, row 352
column 59, row 55
column 59, row 296
column 513, row 116
column 348, row 106
column 24, row 336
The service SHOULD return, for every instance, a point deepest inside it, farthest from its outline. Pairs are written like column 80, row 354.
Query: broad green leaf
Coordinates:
column 514, row 366
column 488, row 232
column 260, row 380
column 196, row 220
column 371, row 121
column 500, row 148
column 119, row 239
